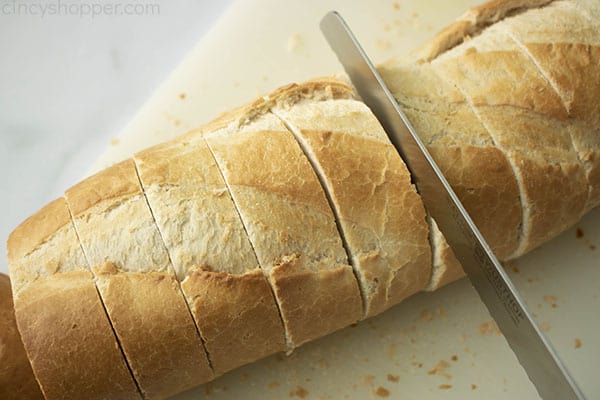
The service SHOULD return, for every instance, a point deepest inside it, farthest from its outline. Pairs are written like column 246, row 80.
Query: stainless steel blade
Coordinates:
column 495, row 288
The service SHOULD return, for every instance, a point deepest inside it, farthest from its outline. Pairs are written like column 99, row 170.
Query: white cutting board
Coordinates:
column 434, row 345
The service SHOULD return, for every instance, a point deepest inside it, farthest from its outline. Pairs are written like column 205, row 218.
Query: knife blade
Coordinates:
column 533, row 350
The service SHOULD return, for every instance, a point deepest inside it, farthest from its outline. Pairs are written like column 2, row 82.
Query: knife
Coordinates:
column 533, row 350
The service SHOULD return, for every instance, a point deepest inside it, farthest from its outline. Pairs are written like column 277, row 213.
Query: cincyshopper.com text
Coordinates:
column 82, row 9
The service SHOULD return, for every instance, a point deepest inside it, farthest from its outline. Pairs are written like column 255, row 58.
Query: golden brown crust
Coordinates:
column 17, row 381
column 69, row 341
column 289, row 222
column 137, row 283
column 158, row 336
column 471, row 24
column 36, row 229
column 525, row 117
column 229, row 297
column 112, row 183
column 315, row 303
column 58, row 310
column 328, row 87
column 237, row 316
column 479, row 172
column 379, row 214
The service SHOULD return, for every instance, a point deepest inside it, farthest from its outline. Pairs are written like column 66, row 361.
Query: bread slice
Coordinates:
column 564, row 43
column 230, row 297
column 290, row 225
column 17, row 381
column 137, row 283
column 525, row 117
column 66, row 333
column 480, row 174
column 379, row 214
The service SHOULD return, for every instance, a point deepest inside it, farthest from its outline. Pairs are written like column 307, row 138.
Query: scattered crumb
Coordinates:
column 473, row 386
column 294, row 43
column 550, row 300
column 299, row 392
column 445, row 386
column 382, row 392
column 114, row 141
column 577, row 343
column 369, row 379
column 440, row 369
column 393, row 378
column 489, row 327
column 182, row 96
column 273, row 385
column 545, row 327
column 454, row 358
column 395, row 5
column 592, row 247
column 579, row 233
column 515, row 269
column 426, row 315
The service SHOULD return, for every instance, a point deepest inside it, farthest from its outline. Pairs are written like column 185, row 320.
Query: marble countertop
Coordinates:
column 69, row 83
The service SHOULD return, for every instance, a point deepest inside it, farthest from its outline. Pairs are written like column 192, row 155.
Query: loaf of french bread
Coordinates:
column 293, row 216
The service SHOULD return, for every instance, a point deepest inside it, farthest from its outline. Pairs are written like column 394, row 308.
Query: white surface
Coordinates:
column 259, row 44
column 70, row 84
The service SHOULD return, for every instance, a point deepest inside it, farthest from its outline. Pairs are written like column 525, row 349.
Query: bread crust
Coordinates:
column 290, row 226
column 16, row 376
column 137, row 283
column 472, row 23
column 230, row 298
column 523, row 115
column 59, row 313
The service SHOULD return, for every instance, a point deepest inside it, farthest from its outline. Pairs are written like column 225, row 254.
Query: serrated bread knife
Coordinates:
column 535, row 353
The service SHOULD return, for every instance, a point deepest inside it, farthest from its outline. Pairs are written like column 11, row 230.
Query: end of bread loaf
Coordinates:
column 16, row 376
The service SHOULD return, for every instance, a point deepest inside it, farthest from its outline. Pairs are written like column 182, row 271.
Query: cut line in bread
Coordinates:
column 290, row 226
column 60, row 316
column 230, row 299
column 137, row 283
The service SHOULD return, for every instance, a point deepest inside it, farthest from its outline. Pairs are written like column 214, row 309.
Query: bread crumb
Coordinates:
column 577, row 343
column 294, row 43
column 393, row 378
column 550, row 300
column 396, row 5
column 473, row 386
column 579, row 233
column 545, row 327
column 440, row 369
column 114, row 141
column 592, row 247
column 382, row 392
column 182, row 96
column 454, row 358
column 445, row 386
column 489, row 327
column 299, row 391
